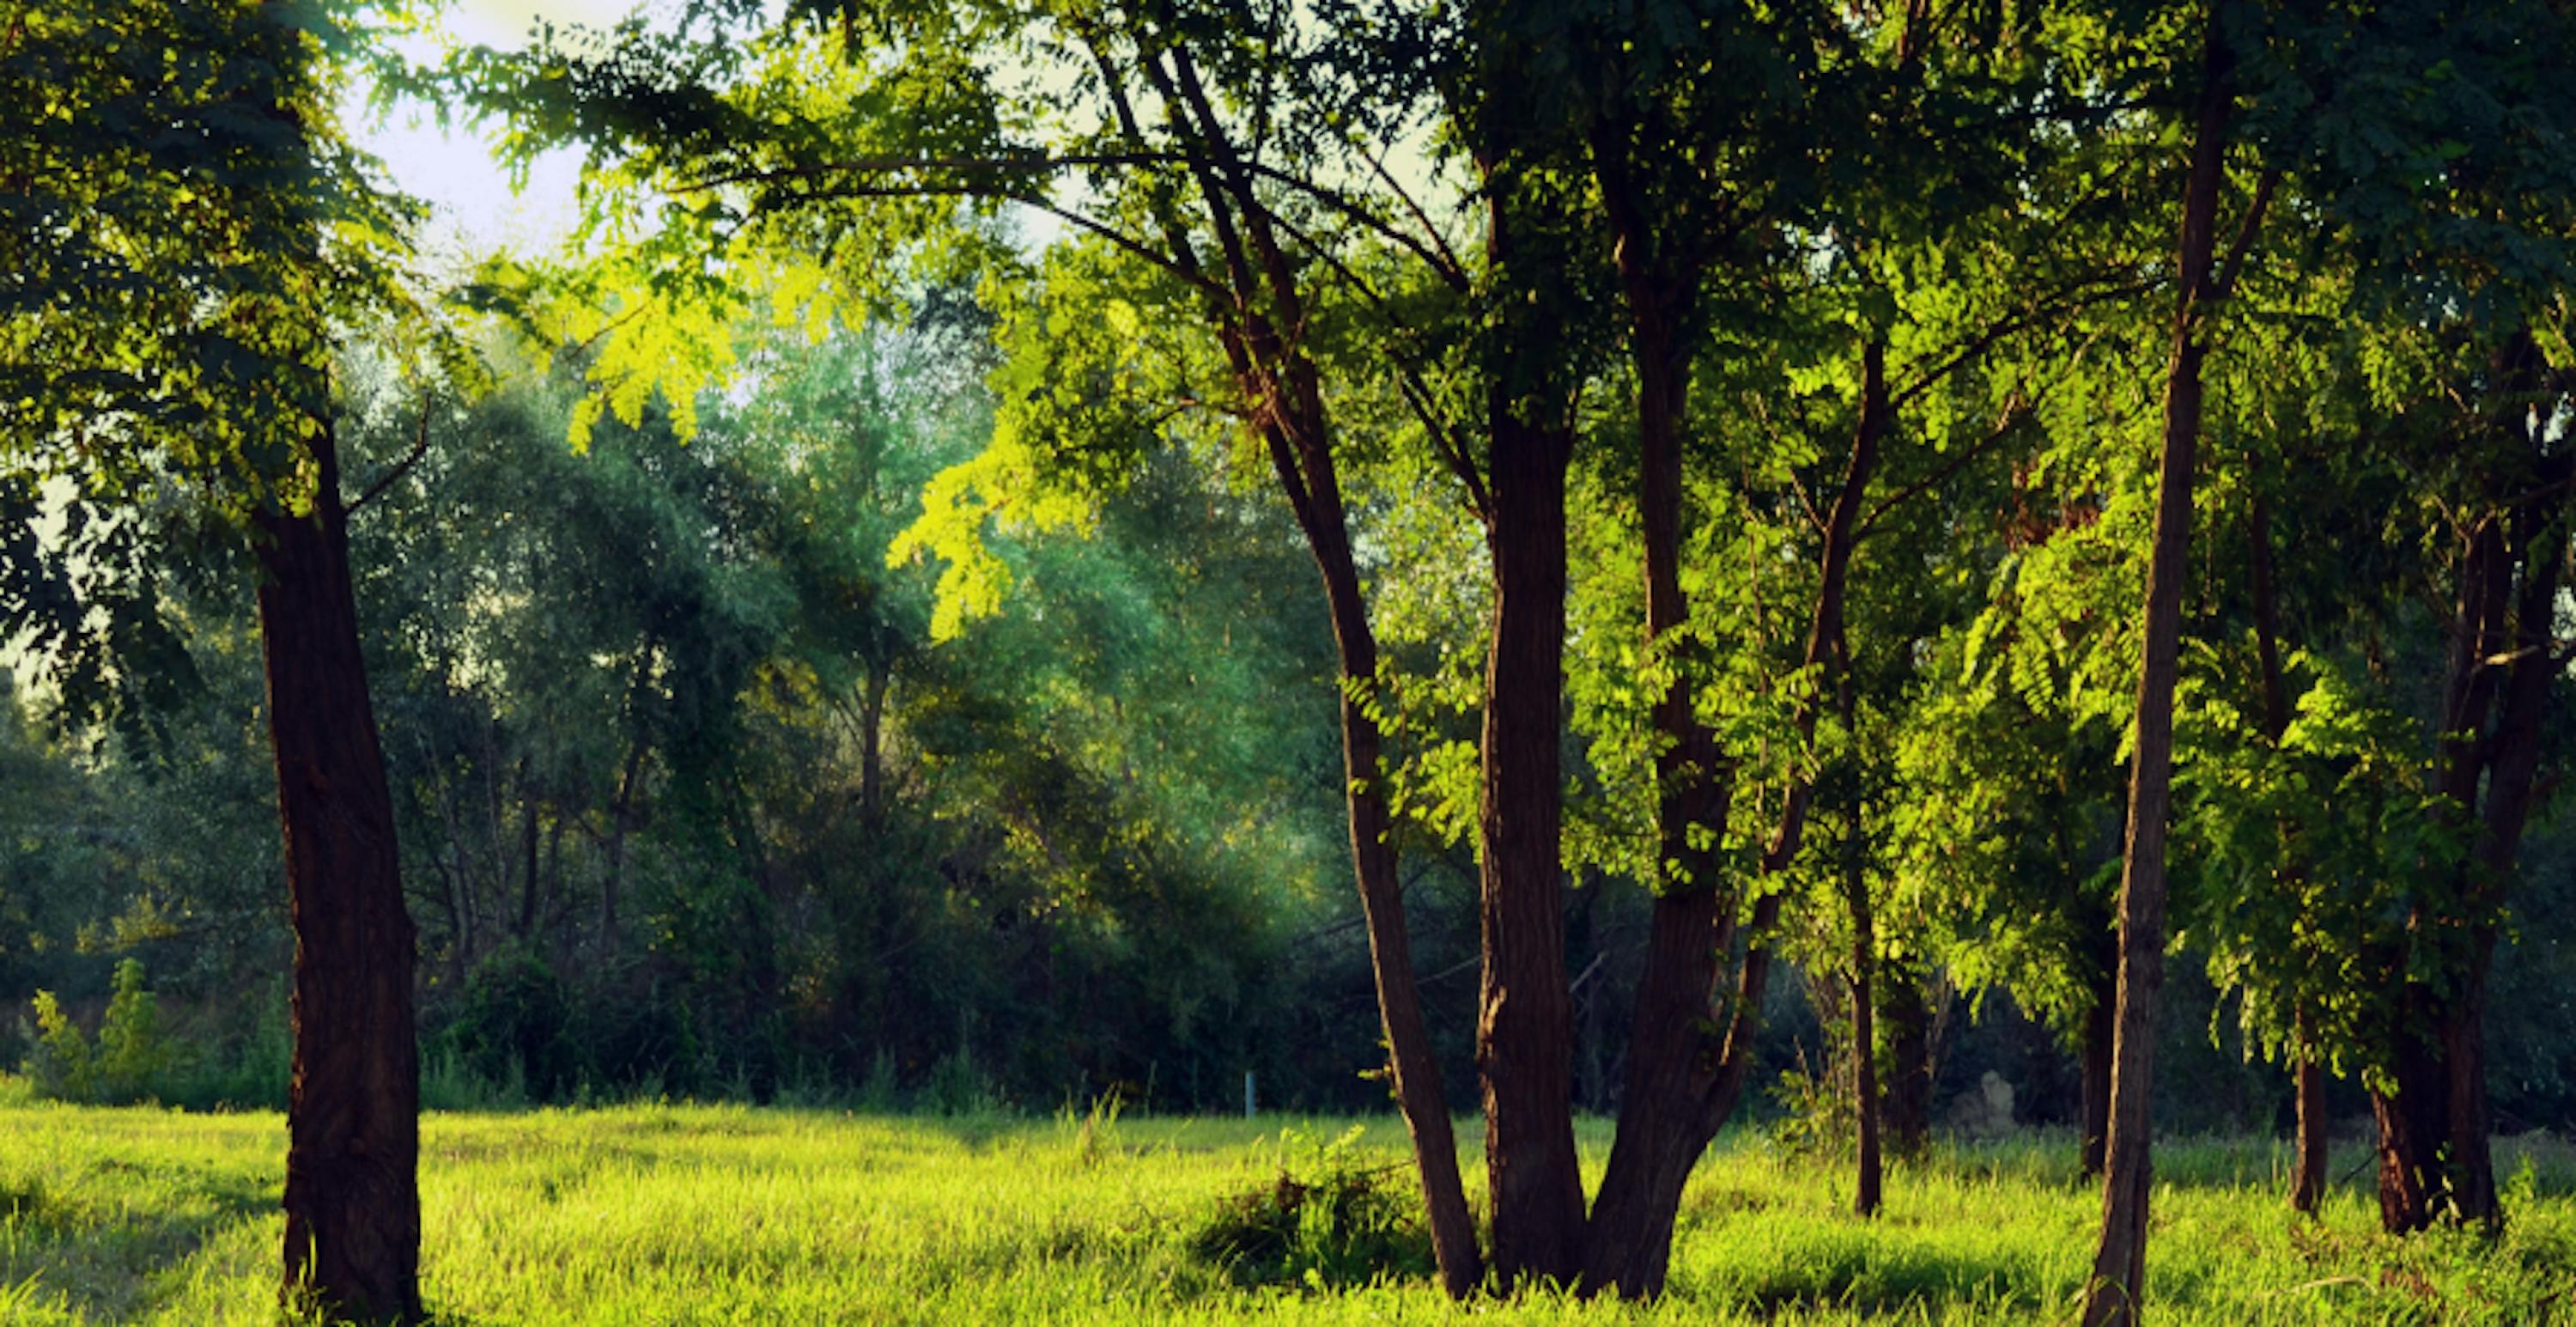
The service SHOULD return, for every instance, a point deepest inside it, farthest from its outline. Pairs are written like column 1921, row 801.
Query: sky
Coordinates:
column 473, row 209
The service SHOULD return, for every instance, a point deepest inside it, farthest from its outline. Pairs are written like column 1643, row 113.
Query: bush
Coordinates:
column 59, row 1066
column 134, row 1059
column 509, row 1028
column 1334, row 1222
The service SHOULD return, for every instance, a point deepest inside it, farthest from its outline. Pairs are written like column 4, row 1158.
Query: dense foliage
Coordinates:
column 1841, row 539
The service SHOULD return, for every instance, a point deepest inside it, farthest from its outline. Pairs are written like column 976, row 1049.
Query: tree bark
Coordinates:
column 2436, row 1160
column 352, row 1197
column 2412, row 1123
column 1525, row 1029
column 1663, row 1127
column 2118, row 1288
column 1689, row 1049
column 1273, row 370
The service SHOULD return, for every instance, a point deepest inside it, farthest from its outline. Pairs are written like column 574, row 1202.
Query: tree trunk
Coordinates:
column 2413, row 1123
column 1689, row 1052
column 2119, row 1283
column 1865, row 1191
column 352, row 1197
column 1907, row 1114
column 2308, row 1185
column 1663, row 1127
column 527, row 853
column 1410, row 1063
column 1525, row 1030
column 872, row 744
column 2502, row 665
column 2093, row 1090
column 1272, row 369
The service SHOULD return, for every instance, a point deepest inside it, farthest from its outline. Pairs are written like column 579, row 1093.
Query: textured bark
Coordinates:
column 2117, row 1291
column 1525, row 1029
column 2412, row 1124
column 352, row 1197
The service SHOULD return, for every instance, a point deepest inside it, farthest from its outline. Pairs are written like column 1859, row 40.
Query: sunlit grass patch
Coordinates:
column 691, row 1214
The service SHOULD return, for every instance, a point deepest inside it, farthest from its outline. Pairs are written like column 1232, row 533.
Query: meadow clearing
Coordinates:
column 727, row 1214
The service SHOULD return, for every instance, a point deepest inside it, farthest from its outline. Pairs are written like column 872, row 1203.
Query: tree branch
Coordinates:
column 419, row 449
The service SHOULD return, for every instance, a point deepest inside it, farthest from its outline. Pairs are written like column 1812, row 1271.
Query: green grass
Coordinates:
column 690, row 1214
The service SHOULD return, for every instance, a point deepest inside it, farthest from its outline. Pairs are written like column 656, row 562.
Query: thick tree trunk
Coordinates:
column 1525, row 1030
column 2413, row 1123
column 2501, row 670
column 2118, row 1287
column 352, row 1196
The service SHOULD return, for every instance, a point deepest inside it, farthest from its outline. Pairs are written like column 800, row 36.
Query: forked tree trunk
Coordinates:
column 2435, row 1158
column 352, row 1196
column 2118, row 1288
column 1690, row 1050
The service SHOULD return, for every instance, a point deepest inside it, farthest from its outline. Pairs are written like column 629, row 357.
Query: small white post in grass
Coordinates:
column 1248, row 1110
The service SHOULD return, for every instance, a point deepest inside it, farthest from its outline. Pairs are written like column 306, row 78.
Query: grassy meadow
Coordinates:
column 725, row 1214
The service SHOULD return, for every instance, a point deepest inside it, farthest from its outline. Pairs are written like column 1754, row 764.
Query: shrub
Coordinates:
column 59, row 1066
column 1333, row 1222
column 133, row 1060
column 509, row 1028
column 135, row 1056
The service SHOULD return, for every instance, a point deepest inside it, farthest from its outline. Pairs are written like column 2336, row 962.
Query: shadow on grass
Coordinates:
column 108, row 1264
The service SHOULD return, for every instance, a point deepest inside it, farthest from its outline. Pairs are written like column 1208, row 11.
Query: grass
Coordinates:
column 722, row 1214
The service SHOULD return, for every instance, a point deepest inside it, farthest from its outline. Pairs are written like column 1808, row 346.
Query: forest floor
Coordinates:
column 687, row 1214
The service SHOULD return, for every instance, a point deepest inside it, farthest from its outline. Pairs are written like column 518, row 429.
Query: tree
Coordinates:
column 188, row 230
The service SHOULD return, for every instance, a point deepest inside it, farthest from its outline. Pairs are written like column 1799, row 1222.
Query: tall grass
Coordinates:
column 688, row 1214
